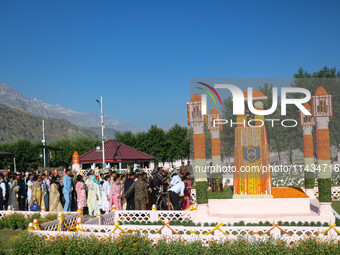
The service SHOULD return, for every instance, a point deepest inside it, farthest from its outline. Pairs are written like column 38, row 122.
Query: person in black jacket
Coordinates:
column 130, row 198
column 22, row 193
column 4, row 193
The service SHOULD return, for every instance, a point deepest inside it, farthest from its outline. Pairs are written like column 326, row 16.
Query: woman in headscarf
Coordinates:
column 37, row 195
column 97, row 190
column 116, row 194
column 81, row 192
column 54, row 196
column 105, row 194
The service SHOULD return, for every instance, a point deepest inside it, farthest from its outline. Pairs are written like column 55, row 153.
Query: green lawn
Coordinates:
column 336, row 206
column 5, row 235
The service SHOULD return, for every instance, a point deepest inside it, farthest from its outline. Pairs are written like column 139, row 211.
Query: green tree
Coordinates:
column 27, row 155
column 127, row 138
column 156, row 143
column 68, row 146
column 177, row 141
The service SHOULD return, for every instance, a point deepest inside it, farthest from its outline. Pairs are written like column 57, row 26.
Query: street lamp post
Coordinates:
column 102, row 120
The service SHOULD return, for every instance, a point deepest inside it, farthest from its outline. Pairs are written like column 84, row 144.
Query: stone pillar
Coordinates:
column 195, row 119
column 322, row 110
column 216, row 170
column 307, row 122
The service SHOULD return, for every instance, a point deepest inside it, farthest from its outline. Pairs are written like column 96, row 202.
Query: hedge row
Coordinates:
column 20, row 221
column 28, row 243
column 236, row 224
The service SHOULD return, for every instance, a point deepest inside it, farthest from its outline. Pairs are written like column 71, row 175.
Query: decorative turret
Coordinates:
column 196, row 120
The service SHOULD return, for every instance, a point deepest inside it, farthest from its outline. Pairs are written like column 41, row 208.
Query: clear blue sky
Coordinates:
column 140, row 55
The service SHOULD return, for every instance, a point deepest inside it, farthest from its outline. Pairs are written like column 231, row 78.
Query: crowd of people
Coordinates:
column 96, row 193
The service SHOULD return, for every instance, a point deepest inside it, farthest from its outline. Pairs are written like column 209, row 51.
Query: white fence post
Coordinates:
column 153, row 214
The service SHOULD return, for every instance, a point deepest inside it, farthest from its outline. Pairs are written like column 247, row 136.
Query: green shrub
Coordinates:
column 226, row 194
column 29, row 243
column 325, row 190
column 201, row 192
column 309, row 183
column 20, row 221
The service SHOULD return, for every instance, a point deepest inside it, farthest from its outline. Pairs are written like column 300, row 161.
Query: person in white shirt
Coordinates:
column 177, row 178
column 177, row 191
column 29, row 189
column 105, row 194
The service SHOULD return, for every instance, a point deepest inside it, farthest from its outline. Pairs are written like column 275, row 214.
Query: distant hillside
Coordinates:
column 16, row 124
column 11, row 97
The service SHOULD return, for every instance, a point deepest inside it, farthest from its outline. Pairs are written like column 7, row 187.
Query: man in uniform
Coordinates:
column 141, row 193
column 183, row 167
column 189, row 169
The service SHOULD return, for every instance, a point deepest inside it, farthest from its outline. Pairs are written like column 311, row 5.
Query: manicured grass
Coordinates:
column 5, row 236
column 226, row 194
column 336, row 206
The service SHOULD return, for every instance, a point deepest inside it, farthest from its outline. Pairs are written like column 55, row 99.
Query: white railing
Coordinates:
column 141, row 216
column 59, row 224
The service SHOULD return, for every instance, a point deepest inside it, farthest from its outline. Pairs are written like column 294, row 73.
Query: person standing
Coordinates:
column 130, row 198
column 116, row 193
column 97, row 196
column 189, row 169
column 177, row 191
column 37, row 195
column 29, row 186
column 4, row 193
column 106, row 194
column 81, row 192
column 54, row 196
column 13, row 190
column 45, row 189
column 141, row 193
column 121, row 185
column 67, row 190
column 182, row 167
column 22, row 193
column 91, row 199
column 185, row 203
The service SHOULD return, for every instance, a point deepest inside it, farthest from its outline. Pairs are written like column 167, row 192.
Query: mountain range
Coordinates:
column 17, row 124
column 10, row 97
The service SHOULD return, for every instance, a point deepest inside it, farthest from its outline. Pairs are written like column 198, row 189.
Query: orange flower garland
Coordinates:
column 290, row 192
